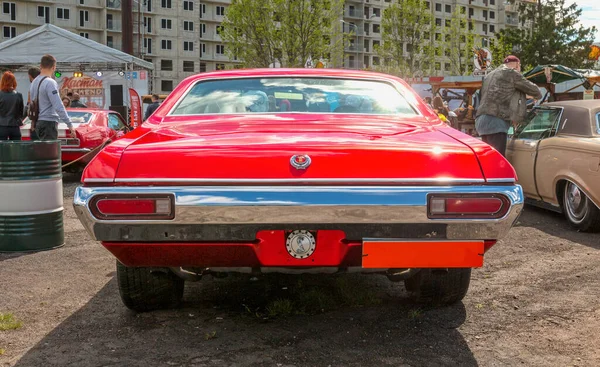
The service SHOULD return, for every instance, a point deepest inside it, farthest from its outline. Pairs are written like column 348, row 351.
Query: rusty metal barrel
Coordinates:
column 31, row 197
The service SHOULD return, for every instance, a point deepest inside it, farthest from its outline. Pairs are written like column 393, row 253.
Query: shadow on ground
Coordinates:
column 555, row 224
column 230, row 322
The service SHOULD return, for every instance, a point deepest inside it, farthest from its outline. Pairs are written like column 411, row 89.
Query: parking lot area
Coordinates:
column 534, row 303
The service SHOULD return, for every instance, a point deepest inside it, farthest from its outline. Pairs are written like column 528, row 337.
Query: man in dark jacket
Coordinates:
column 503, row 101
column 152, row 107
column 76, row 103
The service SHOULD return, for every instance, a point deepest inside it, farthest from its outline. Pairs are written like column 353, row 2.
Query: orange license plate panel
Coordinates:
column 379, row 254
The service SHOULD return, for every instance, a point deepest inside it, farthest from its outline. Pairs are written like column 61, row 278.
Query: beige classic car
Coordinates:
column 556, row 154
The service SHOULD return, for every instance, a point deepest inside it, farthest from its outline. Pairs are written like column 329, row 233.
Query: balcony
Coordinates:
column 113, row 4
column 355, row 31
column 353, row 13
column 114, row 25
column 512, row 21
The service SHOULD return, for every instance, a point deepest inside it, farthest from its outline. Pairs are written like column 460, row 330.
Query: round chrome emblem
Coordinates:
column 300, row 244
column 300, row 161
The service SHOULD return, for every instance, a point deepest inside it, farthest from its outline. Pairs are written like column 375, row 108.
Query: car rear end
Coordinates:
column 292, row 194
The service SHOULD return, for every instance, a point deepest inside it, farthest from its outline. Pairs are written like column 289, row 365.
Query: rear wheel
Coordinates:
column 146, row 289
column 439, row 286
column 579, row 210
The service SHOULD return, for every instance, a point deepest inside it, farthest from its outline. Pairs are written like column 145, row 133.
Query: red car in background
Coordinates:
column 293, row 171
column 93, row 128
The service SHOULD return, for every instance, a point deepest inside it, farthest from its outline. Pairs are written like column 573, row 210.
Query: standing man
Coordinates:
column 51, row 108
column 503, row 101
column 33, row 73
column 76, row 103
column 151, row 107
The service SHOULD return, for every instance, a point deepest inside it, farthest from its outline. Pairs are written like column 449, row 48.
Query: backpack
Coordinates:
column 34, row 106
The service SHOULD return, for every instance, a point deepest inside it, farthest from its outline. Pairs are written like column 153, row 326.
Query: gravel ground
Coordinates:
column 534, row 303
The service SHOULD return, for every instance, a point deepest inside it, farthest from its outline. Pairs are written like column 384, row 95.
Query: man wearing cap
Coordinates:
column 503, row 101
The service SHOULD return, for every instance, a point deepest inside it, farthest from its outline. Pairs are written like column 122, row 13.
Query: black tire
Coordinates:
column 580, row 211
column 439, row 286
column 146, row 289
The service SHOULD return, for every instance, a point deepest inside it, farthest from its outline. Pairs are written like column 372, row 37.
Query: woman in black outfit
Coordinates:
column 11, row 108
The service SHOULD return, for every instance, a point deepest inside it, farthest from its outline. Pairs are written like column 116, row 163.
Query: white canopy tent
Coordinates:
column 76, row 53
column 68, row 48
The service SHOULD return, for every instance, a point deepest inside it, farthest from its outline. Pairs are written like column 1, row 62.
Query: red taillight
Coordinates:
column 137, row 207
column 467, row 206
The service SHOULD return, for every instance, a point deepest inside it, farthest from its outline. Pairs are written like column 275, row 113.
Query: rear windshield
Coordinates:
column 285, row 95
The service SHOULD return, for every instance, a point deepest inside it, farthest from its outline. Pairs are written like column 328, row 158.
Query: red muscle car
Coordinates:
column 93, row 128
column 296, row 170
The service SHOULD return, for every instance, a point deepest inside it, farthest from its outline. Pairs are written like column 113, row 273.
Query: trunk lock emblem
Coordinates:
column 300, row 161
column 300, row 244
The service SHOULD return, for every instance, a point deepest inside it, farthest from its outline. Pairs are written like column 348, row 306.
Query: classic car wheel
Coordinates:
column 579, row 209
column 442, row 287
column 146, row 289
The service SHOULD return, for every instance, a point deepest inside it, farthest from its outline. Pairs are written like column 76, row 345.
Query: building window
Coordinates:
column 166, row 85
column 202, row 67
column 44, row 12
column 166, row 23
column 448, row 9
column 492, row 2
column 148, row 5
column 492, row 28
column 376, row 28
column 375, row 60
column 109, row 41
column 438, row 36
column 188, row 5
column 485, row 14
column 202, row 10
column 427, row 4
column 438, row 66
column 166, row 44
column 166, row 65
column 470, row 26
column 62, row 13
column 485, row 28
column 471, row 12
column 10, row 8
column 9, row 32
column 188, row 25
column 148, row 24
column 84, row 16
column 219, row 29
column 81, row 2
column 220, row 66
column 166, row 4
column 188, row 66
column 84, row 34
column 448, row 22
column 202, row 49
column 447, row 66
column 109, row 21
column 220, row 49
column 202, row 29
column 463, row 10
column 148, row 45
column 220, row 10
column 492, row 15
column 188, row 46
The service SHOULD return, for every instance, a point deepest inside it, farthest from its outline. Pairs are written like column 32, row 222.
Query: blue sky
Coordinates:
column 591, row 13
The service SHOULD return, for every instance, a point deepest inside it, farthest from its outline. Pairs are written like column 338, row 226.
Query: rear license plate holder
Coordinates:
column 400, row 254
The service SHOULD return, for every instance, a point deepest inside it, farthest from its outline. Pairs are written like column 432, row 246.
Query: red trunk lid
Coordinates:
column 260, row 147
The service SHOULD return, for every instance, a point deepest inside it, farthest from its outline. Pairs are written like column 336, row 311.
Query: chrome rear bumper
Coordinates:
column 236, row 213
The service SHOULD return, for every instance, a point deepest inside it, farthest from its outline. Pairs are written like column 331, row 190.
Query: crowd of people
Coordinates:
column 44, row 106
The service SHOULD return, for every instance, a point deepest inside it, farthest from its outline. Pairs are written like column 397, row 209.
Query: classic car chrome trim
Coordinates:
column 501, row 180
column 267, row 181
column 99, row 180
column 267, row 207
column 76, row 150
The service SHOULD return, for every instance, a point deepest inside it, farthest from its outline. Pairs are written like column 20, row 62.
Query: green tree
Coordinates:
column 408, row 31
column 550, row 34
column 288, row 32
column 460, row 41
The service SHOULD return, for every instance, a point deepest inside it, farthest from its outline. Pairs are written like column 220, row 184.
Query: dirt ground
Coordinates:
column 534, row 303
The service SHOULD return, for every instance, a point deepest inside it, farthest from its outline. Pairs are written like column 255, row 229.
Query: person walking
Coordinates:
column 11, row 108
column 152, row 106
column 503, row 102
column 51, row 108
column 76, row 103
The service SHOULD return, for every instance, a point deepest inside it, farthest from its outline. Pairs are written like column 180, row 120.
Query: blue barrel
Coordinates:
column 31, row 196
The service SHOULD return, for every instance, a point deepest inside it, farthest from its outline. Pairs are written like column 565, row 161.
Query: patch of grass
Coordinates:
column 415, row 313
column 8, row 322
column 479, row 306
column 352, row 292
column 211, row 335
column 281, row 307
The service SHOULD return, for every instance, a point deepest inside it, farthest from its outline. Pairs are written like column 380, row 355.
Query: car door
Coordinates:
column 521, row 150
